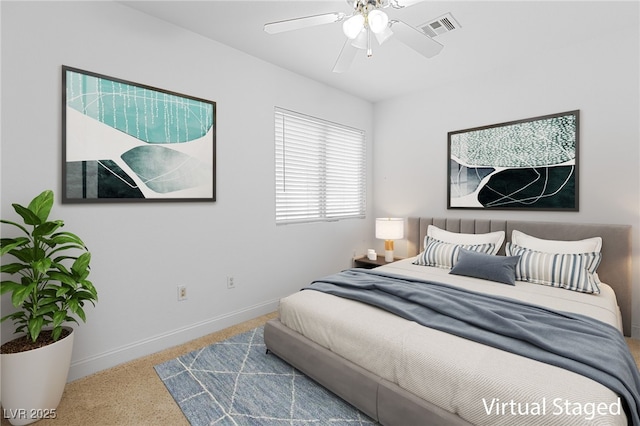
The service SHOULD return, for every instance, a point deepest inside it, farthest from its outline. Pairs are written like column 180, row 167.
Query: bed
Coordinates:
column 412, row 374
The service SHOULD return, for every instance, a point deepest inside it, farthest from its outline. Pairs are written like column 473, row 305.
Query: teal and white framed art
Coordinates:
column 529, row 164
column 124, row 141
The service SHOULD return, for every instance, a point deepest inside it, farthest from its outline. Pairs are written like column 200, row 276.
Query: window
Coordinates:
column 320, row 169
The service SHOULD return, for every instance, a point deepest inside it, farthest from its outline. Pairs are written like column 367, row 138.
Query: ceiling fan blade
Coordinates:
column 416, row 39
column 347, row 55
column 304, row 22
column 400, row 4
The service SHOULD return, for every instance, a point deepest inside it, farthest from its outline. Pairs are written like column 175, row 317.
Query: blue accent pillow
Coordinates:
column 501, row 269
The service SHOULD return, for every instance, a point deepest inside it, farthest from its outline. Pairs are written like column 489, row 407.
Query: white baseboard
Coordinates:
column 635, row 331
column 93, row 364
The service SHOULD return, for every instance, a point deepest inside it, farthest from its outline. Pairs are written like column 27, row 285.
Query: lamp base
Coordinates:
column 388, row 250
column 388, row 255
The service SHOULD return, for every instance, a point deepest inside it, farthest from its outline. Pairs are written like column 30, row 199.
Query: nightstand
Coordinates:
column 365, row 262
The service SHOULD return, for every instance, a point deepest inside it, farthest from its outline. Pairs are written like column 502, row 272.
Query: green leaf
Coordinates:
column 71, row 319
column 65, row 248
column 81, row 264
column 35, row 327
column 6, row 286
column 20, row 294
column 42, row 265
column 46, row 228
column 8, row 244
column 44, row 310
column 88, row 286
column 75, row 307
column 57, row 331
column 58, row 318
column 60, row 267
column 61, row 291
column 84, row 295
column 49, row 301
column 41, row 205
column 73, row 304
column 14, row 316
column 80, row 312
column 29, row 217
column 13, row 268
column 63, row 278
column 27, row 254
column 67, row 237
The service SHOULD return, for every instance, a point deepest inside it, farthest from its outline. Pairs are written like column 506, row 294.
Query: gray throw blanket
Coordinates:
column 570, row 341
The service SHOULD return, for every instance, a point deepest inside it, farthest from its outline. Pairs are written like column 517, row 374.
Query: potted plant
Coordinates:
column 49, row 289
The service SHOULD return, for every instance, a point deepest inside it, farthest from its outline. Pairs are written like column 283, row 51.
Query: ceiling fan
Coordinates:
column 367, row 19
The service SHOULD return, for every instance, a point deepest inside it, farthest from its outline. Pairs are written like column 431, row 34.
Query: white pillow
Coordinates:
column 589, row 245
column 496, row 238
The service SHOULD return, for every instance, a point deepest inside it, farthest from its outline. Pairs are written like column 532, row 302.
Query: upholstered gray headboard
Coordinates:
column 615, row 268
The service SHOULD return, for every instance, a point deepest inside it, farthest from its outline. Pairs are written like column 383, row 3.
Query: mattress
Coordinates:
column 481, row 384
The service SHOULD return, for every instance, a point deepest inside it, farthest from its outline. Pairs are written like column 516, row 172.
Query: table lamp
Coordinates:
column 389, row 229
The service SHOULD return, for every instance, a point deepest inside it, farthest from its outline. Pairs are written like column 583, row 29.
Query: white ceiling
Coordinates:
column 493, row 34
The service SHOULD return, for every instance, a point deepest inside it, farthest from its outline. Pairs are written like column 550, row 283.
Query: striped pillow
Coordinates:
column 444, row 255
column 572, row 271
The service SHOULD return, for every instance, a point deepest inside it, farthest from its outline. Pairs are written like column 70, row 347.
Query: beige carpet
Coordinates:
column 132, row 393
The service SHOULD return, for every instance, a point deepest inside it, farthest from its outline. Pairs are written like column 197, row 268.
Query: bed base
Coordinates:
column 388, row 403
column 378, row 398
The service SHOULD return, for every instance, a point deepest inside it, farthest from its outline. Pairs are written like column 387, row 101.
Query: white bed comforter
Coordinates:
column 483, row 385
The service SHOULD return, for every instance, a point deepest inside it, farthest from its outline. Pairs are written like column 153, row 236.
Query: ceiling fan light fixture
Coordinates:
column 384, row 35
column 352, row 26
column 378, row 21
column 360, row 42
column 366, row 19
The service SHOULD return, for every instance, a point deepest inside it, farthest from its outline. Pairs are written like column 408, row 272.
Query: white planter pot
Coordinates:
column 33, row 381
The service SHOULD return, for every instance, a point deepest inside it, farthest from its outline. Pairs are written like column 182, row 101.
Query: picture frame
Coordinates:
column 129, row 142
column 528, row 164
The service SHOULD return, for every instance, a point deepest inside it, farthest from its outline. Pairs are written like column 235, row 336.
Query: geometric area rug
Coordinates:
column 234, row 382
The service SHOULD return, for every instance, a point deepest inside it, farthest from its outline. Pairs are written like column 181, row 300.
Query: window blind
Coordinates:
column 320, row 169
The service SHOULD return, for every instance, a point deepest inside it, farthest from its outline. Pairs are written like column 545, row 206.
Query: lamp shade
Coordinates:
column 389, row 228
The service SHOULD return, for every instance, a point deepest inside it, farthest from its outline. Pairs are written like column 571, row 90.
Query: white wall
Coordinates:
column 141, row 252
column 599, row 77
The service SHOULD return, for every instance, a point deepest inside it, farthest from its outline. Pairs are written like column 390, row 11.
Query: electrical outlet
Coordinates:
column 182, row 292
column 231, row 283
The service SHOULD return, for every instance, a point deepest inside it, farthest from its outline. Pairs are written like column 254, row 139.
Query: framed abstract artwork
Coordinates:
column 529, row 164
column 124, row 141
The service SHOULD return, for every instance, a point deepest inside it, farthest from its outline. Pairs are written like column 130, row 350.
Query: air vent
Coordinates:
column 444, row 24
